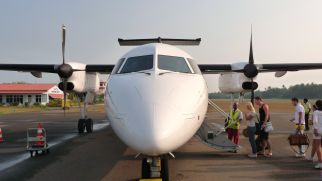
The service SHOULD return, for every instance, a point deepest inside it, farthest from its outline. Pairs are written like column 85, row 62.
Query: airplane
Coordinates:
column 156, row 96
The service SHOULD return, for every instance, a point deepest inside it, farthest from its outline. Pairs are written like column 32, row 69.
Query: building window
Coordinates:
column 38, row 98
column 18, row 98
column 14, row 99
column 9, row 98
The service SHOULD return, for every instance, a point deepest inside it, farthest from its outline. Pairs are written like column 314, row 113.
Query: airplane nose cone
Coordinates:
column 159, row 130
column 161, row 134
column 157, row 116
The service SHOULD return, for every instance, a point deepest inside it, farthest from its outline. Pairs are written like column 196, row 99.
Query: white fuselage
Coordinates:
column 157, row 111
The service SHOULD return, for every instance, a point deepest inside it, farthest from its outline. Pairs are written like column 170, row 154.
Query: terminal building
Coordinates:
column 29, row 93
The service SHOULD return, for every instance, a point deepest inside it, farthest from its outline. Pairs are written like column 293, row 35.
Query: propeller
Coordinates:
column 250, row 71
column 64, row 70
column 251, row 66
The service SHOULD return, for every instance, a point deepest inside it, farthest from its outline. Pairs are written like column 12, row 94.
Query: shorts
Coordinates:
column 263, row 135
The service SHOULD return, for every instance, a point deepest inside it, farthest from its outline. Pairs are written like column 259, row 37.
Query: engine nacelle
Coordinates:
column 80, row 81
column 235, row 83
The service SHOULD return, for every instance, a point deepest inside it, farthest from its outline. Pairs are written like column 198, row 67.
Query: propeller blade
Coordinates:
column 65, row 95
column 251, row 57
column 63, row 42
column 252, row 94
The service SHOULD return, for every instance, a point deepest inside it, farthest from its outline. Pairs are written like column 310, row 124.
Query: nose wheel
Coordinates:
column 155, row 167
column 85, row 124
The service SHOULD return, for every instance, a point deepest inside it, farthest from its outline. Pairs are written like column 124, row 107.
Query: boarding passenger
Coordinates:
column 307, row 109
column 315, row 136
column 264, row 117
column 317, row 126
column 235, row 117
column 251, row 118
column 299, row 120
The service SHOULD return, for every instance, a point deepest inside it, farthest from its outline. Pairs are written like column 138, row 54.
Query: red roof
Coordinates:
column 25, row 88
column 56, row 96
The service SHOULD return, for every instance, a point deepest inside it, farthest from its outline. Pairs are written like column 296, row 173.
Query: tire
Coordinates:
column 145, row 169
column 31, row 153
column 81, row 126
column 164, row 169
column 89, row 125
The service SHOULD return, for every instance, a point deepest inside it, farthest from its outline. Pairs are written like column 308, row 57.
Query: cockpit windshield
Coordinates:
column 172, row 63
column 136, row 64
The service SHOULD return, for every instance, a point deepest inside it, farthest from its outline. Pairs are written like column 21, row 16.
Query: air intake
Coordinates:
column 250, row 85
column 69, row 86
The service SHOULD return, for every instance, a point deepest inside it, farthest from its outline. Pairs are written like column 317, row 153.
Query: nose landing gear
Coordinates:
column 155, row 167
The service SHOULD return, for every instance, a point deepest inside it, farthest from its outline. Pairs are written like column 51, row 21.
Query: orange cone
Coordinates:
column 40, row 135
column 1, row 138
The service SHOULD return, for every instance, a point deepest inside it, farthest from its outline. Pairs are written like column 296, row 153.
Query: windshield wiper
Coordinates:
column 147, row 73
column 165, row 72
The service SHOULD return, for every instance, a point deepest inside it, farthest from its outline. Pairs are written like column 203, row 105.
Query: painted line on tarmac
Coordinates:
column 23, row 120
column 24, row 156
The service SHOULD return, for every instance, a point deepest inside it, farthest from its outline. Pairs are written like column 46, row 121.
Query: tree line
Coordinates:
column 310, row 91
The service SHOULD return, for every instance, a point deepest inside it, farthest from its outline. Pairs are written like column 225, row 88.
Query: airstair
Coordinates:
column 213, row 135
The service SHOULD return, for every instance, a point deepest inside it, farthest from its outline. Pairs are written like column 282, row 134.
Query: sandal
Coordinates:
column 260, row 153
column 268, row 155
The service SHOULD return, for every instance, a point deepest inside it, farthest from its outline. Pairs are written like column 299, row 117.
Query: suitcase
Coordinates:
column 298, row 139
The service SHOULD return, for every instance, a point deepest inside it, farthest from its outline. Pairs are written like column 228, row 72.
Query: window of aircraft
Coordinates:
column 194, row 66
column 136, row 64
column 118, row 65
column 172, row 63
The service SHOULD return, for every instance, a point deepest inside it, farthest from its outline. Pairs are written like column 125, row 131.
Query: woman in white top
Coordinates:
column 317, row 132
column 251, row 117
column 314, row 137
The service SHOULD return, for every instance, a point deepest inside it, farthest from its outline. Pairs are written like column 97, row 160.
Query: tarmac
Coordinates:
column 102, row 156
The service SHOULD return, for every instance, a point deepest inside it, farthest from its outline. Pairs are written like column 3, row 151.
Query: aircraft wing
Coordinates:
column 215, row 68
column 221, row 68
column 289, row 67
column 100, row 68
column 52, row 68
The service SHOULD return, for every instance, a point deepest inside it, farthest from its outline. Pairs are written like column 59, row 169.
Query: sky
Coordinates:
column 284, row 31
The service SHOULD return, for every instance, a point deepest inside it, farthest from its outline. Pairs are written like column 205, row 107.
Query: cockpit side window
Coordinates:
column 136, row 64
column 172, row 63
column 118, row 66
column 194, row 66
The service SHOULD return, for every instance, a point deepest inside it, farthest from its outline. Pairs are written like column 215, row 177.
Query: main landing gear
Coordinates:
column 84, row 123
column 155, row 167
